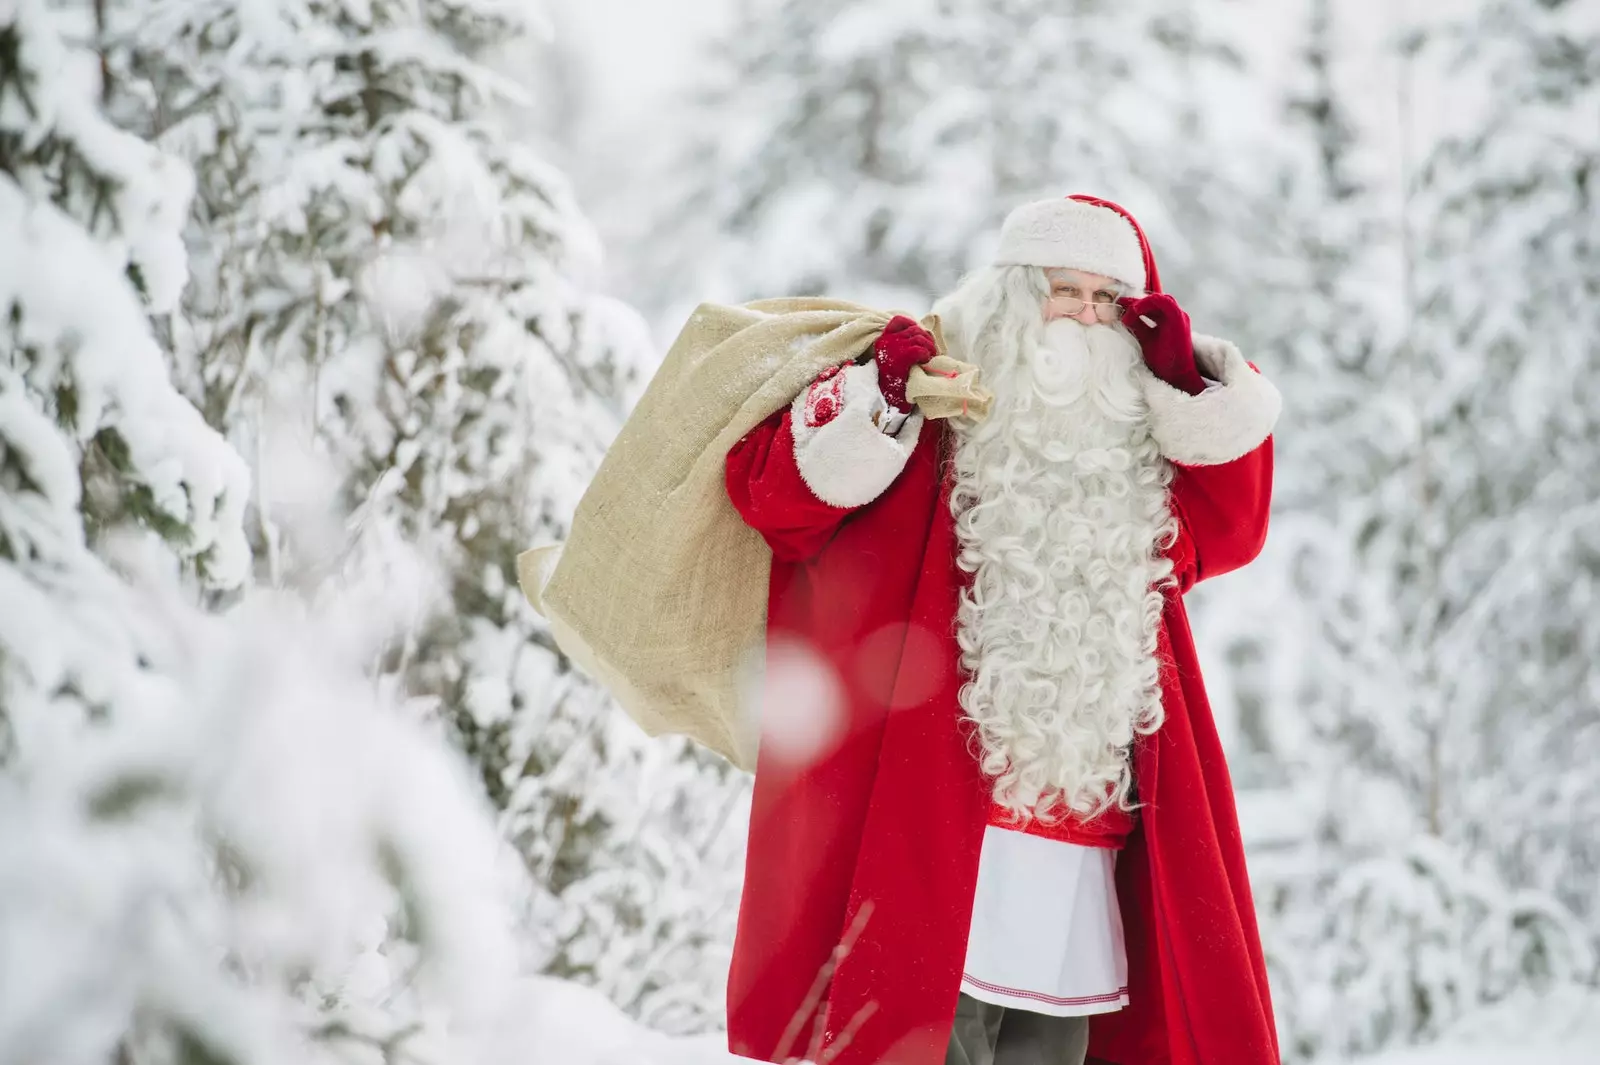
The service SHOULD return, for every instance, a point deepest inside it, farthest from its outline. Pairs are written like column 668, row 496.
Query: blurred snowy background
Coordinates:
column 317, row 311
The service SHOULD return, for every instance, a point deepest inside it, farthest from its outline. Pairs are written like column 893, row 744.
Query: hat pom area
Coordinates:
column 1076, row 235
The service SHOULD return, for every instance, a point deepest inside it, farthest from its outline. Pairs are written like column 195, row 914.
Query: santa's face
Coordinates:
column 1083, row 297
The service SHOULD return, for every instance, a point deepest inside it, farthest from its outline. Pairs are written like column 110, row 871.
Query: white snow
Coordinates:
column 1561, row 1028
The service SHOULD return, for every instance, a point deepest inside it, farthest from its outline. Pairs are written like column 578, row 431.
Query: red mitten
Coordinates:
column 1163, row 333
column 902, row 345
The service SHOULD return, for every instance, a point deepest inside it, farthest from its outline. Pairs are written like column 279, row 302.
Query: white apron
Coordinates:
column 1046, row 929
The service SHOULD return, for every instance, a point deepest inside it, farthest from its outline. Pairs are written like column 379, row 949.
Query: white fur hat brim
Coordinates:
column 1074, row 235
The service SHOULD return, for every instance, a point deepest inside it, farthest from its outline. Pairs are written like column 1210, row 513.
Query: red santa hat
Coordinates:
column 1079, row 233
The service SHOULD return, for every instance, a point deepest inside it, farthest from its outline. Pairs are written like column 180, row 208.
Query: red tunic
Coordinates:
column 875, row 843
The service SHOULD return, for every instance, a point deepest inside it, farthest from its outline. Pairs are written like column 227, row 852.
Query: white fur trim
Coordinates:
column 1220, row 424
column 1074, row 235
column 849, row 462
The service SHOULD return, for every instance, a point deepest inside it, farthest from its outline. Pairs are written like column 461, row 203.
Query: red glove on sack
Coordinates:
column 1168, row 345
column 902, row 345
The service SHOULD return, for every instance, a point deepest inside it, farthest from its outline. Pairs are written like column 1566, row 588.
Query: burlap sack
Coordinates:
column 948, row 388
column 660, row 591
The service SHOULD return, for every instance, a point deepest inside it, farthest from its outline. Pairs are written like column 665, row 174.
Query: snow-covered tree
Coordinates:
column 1432, row 680
column 219, row 840
column 870, row 150
column 396, row 297
column 250, row 859
column 94, row 442
column 170, row 875
column 96, row 439
column 1509, row 348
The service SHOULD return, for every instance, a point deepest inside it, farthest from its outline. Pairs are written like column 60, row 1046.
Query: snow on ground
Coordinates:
column 1490, row 1054
column 1562, row 1028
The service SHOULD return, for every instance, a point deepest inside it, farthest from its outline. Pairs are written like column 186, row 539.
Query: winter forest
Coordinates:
column 318, row 311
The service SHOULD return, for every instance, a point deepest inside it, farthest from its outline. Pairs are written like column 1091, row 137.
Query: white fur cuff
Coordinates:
column 1220, row 424
column 849, row 461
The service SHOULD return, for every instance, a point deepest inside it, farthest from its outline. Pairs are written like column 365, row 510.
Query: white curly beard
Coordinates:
column 1062, row 516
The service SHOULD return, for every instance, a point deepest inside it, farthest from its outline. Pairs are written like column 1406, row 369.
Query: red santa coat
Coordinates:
column 863, row 860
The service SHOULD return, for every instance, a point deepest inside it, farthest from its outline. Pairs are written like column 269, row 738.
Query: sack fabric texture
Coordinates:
column 660, row 590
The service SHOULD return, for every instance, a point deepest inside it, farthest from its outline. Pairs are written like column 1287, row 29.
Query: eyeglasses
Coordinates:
column 1072, row 306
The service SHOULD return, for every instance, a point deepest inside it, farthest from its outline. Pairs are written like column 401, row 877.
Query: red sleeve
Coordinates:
column 1222, row 514
column 769, row 493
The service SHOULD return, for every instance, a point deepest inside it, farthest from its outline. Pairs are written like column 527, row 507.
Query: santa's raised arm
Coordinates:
column 1017, row 835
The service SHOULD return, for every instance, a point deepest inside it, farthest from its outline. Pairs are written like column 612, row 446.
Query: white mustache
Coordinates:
column 1099, row 362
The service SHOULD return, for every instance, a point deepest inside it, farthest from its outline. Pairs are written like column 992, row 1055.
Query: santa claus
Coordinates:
column 1019, row 846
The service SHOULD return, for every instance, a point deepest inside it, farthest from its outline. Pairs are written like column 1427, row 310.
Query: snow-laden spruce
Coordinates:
column 93, row 438
column 83, row 207
column 220, row 840
column 1418, row 653
column 394, row 303
column 869, row 150
column 190, row 844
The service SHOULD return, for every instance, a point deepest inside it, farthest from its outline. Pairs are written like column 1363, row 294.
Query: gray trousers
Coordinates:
column 997, row 1035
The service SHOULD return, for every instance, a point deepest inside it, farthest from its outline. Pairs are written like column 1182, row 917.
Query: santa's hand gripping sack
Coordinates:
column 1013, row 840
